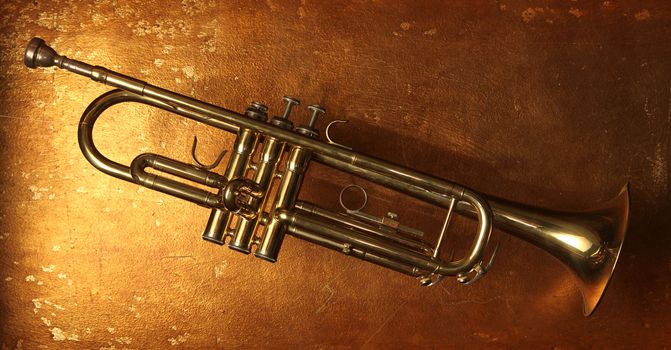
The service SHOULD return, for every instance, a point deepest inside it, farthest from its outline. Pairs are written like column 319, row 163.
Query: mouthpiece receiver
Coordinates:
column 39, row 54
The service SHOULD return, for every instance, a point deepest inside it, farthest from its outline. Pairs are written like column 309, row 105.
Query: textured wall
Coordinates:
column 552, row 103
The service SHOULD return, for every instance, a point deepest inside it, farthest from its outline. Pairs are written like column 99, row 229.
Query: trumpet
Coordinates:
column 272, row 153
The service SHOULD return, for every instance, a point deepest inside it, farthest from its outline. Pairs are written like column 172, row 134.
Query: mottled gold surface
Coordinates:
column 545, row 102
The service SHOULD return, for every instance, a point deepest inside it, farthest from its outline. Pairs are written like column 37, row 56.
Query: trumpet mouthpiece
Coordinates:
column 39, row 54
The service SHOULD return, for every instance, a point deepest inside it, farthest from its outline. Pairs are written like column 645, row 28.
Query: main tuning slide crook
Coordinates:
column 201, row 165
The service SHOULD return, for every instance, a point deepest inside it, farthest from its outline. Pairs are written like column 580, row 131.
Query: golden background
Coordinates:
column 551, row 103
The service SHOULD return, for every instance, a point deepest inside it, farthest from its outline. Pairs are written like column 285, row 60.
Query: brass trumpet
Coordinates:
column 246, row 218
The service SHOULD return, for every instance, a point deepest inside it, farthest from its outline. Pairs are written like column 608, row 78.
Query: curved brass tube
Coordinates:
column 423, row 186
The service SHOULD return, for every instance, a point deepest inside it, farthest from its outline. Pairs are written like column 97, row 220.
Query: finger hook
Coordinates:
column 201, row 165
column 328, row 136
column 342, row 203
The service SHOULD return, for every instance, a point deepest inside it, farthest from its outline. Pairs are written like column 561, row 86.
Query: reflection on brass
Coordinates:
column 588, row 243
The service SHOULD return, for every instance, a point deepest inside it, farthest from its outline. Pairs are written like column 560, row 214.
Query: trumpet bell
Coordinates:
column 588, row 243
column 594, row 273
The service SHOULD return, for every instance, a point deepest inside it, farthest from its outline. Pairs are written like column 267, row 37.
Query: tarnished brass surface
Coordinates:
column 515, row 99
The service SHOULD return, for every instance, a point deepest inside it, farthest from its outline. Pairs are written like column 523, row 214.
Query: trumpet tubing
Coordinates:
column 247, row 219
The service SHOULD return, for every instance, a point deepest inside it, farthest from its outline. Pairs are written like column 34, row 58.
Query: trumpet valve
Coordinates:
column 258, row 111
column 283, row 121
column 242, row 196
column 310, row 130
